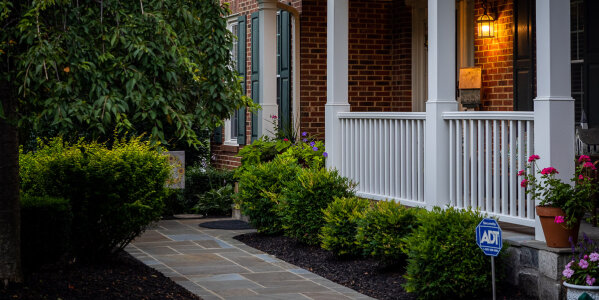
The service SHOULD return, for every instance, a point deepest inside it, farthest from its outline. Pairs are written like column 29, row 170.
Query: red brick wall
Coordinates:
column 495, row 57
column 379, row 59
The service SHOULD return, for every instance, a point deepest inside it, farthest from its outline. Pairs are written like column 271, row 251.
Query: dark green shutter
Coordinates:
column 218, row 135
column 524, row 57
column 284, row 69
column 591, row 64
column 255, row 71
column 241, row 68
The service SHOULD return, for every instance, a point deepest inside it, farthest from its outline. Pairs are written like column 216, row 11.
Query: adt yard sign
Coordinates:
column 488, row 237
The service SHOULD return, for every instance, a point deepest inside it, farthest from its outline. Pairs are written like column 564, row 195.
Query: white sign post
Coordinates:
column 488, row 238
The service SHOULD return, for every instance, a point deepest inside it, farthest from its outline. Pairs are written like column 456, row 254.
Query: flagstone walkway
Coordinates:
column 213, row 265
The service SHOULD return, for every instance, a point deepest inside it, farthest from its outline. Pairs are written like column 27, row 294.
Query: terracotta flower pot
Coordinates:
column 556, row 235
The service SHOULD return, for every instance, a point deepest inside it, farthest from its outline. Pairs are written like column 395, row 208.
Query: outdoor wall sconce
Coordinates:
column 469, row 86
column 486, row 24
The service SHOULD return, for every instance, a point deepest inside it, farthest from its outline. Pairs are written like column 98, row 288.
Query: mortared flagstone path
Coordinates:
column 213, row 265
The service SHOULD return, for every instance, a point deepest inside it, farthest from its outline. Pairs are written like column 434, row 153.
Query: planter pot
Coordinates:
column 575, row 291
column 556, row 235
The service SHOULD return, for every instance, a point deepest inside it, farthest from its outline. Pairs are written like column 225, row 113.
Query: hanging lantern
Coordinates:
column 486, row 24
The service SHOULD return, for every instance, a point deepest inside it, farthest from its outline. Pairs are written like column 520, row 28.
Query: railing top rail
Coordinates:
column 490, row 115
column 383, row 115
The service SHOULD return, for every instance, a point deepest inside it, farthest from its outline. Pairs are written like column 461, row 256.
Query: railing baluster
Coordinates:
column 512, row 171
column 504, row 168
column 452, row 179
column 521, row 152
column 473, row 165
column 459, row 167
column 530, row 151
column 488, row 167
column 496, row 167
column 481, row 165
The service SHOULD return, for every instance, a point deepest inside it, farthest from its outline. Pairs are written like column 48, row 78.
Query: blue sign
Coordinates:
column 488, row 237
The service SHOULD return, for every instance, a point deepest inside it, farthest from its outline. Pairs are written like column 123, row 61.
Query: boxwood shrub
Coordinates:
column 383, row 227
column 115, row 193
column 444, row 261
column 259, row 188
column 45, row 229
column 302, row 201
column 340, row 222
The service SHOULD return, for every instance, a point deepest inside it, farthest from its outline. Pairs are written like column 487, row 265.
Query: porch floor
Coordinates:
column 525, row 236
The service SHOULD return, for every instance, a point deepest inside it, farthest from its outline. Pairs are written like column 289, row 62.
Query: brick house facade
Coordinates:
column 380, row 46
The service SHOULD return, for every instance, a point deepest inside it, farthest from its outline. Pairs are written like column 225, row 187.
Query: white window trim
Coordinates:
column 230, row 140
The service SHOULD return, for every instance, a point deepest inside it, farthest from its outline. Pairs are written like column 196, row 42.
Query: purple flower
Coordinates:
column 305, row 140
column 327, row 155
column 583, row 264
column 304, row 133
column 590, row 280
column 594, row 256
column 315, row 148
column 568, row 273
column 312, row 144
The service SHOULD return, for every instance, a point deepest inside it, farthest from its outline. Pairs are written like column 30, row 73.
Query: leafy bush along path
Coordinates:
column 362, row 275
column 122, row 278
column 366, row 276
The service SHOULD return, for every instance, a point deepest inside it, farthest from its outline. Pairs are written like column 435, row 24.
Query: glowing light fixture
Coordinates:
column 486, row 24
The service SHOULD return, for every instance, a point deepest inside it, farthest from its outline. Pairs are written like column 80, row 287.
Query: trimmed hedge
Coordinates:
column 341, row 221
column 383, row 227
column 45, row 230
column 444, row 261
column 302, row 202
column 259, row 188
column 115, row 193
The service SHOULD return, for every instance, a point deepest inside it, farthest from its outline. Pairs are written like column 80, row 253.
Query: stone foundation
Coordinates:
column 536, row 269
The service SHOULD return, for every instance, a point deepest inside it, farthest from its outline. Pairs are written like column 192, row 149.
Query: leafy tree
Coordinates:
column 96, row 67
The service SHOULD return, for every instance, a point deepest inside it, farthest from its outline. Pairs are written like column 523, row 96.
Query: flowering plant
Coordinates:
column 583, row 269
column 574, row 199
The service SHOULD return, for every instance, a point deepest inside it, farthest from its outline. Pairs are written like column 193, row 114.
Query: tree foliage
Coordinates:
column 96, row 66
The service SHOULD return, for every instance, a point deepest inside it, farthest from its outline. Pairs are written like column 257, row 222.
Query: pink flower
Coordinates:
column 589, row 164
column 569, row 265
column 286, row 139
column 559, row 219
column 594, row 256
column 524, row 183
column 549, row 170
column 568, row 273
column 521, row 172
column 581, row 177
column 583, row 158
column 583, row 264
column 586, row 256
column 533, row 158
column 274, row 117
column 590, row 280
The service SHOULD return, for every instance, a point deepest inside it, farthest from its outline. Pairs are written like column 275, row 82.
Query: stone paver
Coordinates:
column 213, row 265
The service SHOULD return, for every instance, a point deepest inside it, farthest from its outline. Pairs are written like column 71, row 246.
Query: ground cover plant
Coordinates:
column 114, row 193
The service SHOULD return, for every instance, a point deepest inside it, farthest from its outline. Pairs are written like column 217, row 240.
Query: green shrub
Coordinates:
column 339, row 231
column 303, row 200
column 381, row 230
column 444, row 261
column 114, row 193
column 215, row 202
column 259, row 188
column 199, row 180
column 45, row 229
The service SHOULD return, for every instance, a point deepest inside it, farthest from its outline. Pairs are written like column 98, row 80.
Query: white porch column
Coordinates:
column 554, row 106
column 337, row 80
column 268, row 65
column 441, row 98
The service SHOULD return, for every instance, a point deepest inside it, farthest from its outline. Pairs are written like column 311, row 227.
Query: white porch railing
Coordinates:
column 486, row 150
column 384, row 154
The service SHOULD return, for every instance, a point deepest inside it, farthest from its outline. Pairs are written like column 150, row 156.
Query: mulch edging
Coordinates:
column 123, row 277
column 366, row 276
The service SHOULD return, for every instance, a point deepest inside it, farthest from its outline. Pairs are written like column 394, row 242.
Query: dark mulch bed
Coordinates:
column 123, row 277
column 366, row 276
column 227, row 225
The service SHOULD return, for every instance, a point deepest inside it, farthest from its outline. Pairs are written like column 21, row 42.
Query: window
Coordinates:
column 232, row 124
